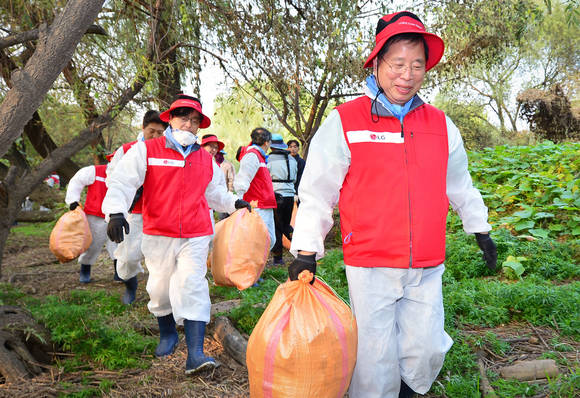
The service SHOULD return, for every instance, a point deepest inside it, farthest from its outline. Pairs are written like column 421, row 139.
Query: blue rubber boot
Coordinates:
column 168, row 337
column 116, row 276
column 85, row 276
column 130, row 290
column 196, row 360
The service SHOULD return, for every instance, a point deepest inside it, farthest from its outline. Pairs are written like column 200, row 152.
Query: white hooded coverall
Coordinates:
column 249, row 166
column 128, row 252
column 177, row 266
column 399, row 312
column 83, row 178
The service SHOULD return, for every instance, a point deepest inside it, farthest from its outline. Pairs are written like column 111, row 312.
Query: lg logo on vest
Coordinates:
column 379, row 137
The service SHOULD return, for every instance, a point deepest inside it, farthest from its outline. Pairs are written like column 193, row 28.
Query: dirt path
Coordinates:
column 29, row 265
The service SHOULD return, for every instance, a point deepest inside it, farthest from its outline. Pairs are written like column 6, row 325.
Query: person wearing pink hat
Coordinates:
column 393, row 164
column 180, row 183
column 210, row 143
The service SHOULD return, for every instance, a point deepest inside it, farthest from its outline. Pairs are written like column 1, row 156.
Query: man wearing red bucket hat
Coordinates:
column 179, row 182
column 393, row 164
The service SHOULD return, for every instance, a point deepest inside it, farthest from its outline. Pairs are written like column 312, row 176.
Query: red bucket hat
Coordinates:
column 213, row 138
column 406, row 22
column 186, row 103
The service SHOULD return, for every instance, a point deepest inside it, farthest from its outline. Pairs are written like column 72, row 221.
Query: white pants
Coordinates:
column 399, row 314
column 98, row 228
column 128, row 253
column 268, row 218
column 177, row 283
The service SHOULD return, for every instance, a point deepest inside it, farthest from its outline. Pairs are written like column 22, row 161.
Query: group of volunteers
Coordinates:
column 391, row 162
column 155, row 200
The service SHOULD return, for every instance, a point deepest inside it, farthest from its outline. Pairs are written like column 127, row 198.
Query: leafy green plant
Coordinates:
column 514, row 265
column 531, row 189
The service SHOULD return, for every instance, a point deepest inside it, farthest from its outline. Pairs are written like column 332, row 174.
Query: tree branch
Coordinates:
column 19, row 38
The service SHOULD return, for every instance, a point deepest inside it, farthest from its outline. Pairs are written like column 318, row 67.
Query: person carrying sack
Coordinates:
column 128, row 253
column 180, row 183
column 393, row 164
column 253, row 181
column 92, row 177
column 283, row 169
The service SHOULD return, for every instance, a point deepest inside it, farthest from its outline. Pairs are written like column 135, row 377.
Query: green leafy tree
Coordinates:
column 100, row 91
column 470, row 118
column 295, row 58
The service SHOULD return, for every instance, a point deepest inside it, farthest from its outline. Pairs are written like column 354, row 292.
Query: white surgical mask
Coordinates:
column 185, row 138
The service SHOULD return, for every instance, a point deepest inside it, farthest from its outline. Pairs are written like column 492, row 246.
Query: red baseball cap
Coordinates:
column 213, row 138
column 186, row 103
column 406, row 22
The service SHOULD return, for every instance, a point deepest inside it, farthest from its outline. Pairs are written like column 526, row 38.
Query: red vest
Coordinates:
column 138, row 208
column 261, row 188
column 393, row 203
column 96, row 192
column 174, row 201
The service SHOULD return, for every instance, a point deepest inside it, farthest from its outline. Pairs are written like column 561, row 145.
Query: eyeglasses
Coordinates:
column 193, row 120
column 400, row 69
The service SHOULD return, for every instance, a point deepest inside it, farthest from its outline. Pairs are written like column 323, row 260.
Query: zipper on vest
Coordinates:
column 409, row 198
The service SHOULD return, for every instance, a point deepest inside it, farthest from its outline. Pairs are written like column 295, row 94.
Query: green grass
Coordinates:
column 42, row 229
column 93, row 325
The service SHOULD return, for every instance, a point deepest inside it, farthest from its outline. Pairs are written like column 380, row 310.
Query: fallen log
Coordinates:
column 530, row 370
column 35, row 216
column 230, row 338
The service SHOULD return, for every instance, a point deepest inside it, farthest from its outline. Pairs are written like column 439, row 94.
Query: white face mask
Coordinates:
column 184, row 138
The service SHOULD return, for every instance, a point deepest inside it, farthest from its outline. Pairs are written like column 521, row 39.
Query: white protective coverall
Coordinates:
column 83, row 178
column 177, row 266
column 399, row 312
column 128, row 252
column 249, row 166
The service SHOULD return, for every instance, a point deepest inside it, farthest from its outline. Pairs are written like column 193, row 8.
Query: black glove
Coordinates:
column 73, row 205
column 115, row 228
column 138, row 195
column 487, row 245
column 240, row 204
column 300, row 263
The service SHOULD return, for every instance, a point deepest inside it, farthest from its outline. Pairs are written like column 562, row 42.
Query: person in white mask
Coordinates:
column 180, row 183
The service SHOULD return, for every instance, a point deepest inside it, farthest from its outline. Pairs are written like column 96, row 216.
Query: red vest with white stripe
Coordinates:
column 174, row 201
column 96, row 192
column 393, row 203
column 138, row 208
column 261, row 188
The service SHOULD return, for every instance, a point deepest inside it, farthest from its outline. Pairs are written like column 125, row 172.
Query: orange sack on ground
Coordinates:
column 240, row 249
column 304, row 345
column 71, row 236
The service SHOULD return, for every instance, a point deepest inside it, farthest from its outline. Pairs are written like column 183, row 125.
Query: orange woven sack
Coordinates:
column 71, row 236
column 240, row 249
column 304, row 345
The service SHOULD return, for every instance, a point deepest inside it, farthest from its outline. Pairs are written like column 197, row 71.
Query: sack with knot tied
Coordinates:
column 71, row 235
column 304, row 345
column 240, row 249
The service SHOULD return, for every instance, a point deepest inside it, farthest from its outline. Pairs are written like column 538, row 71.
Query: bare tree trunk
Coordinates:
column 20, row 180
column 170, row 71
column 54, row 50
